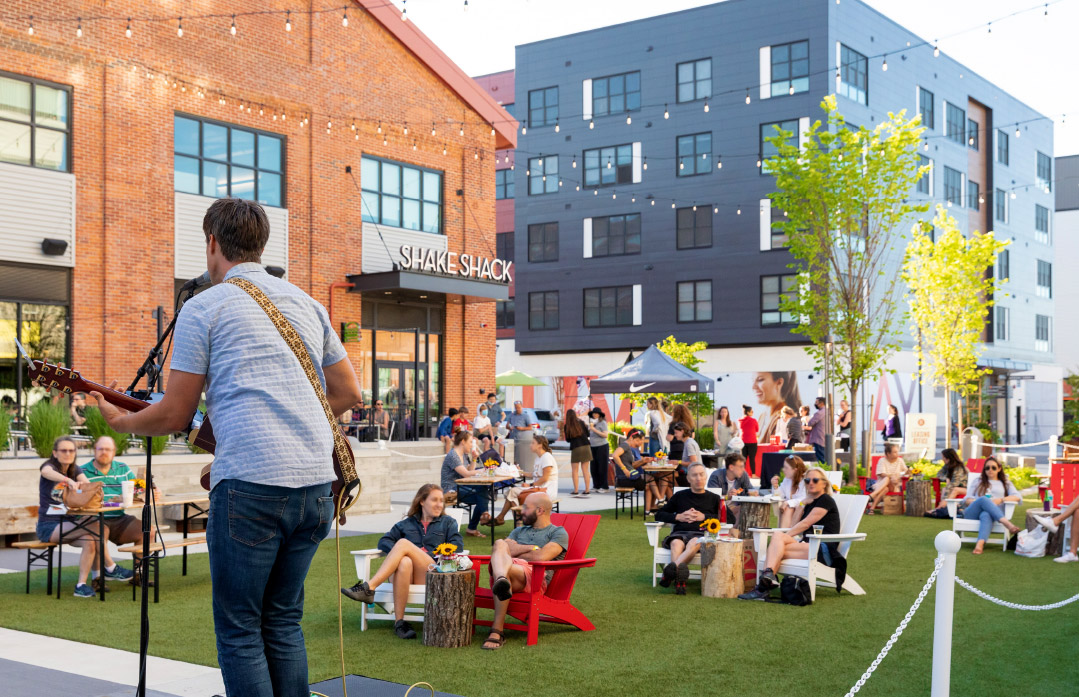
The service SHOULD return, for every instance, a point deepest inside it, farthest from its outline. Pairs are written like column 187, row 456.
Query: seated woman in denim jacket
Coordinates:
column 409, row 546
column 985, row 501
column 954, row 476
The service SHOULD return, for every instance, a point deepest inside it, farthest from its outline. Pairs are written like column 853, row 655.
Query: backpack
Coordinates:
column 794, row 590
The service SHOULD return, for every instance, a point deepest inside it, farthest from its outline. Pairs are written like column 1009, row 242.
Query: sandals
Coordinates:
column 502, row 589
column 474, row 533
column 495, row 637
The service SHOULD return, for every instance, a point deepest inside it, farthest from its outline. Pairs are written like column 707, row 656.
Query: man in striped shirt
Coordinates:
column 123, row 528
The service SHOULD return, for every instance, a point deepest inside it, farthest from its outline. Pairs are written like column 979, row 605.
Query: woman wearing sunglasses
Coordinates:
column 985, row 501
column 818, row 508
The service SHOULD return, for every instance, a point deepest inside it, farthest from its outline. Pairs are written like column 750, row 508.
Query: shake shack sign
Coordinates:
column 454, row 264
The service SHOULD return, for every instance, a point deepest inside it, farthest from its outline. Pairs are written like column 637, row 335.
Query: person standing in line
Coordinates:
column 749, row 427
column 521, row 430
column 725, row 430
column 816, row 431
column 576, row 434
column 271, row 501
column 600, row 447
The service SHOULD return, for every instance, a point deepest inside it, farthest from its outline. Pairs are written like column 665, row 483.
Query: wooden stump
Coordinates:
column 1054, row 546
column 752, row 514
column 920, row 497
column 448, row 609
column 721, row 569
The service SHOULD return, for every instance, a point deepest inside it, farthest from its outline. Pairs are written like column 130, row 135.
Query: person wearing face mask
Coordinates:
column 483, row 429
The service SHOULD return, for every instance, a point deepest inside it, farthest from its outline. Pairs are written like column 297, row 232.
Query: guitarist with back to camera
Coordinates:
column 270, row 500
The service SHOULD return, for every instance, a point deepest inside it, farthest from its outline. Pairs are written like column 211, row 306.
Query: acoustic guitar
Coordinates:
column 345, row 488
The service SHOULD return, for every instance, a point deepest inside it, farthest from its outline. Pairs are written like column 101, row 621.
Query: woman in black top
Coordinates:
column 580, row 452
column 686, row 510
column 819, row 508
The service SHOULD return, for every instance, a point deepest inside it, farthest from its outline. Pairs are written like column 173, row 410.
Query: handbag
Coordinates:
column 88, row 495
column 735, row 444
column 794, row 590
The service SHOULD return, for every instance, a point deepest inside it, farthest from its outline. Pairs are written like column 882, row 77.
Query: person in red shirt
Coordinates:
column 749, row 426
column 461, row 422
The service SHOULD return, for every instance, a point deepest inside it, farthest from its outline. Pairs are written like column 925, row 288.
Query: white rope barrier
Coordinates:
column 1013, row 446
column 1015, row 606
column 899, row 630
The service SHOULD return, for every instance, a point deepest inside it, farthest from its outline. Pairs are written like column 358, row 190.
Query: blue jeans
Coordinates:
column 478, row 499
column 986, row 513
column 261, row 540
column 653, row 446
column 821, row 453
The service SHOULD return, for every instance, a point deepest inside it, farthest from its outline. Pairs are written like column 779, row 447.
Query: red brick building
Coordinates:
column 359, row 139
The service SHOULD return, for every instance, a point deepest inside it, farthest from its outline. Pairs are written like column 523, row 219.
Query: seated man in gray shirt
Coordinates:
column 511, row 571
column 734, row 481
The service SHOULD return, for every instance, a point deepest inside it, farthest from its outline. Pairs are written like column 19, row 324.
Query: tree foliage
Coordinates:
column 843, row 194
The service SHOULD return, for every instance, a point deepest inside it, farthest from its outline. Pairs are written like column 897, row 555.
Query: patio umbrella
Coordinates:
column 518, row 379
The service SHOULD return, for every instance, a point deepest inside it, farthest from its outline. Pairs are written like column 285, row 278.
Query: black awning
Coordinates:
column 415, row 282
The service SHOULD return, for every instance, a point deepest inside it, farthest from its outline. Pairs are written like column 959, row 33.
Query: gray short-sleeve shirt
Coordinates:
column 528, row 535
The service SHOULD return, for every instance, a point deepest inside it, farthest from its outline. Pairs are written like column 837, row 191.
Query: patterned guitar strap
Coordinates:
column 350, row 489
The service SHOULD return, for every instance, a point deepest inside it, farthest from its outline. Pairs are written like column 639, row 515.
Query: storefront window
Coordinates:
column 42, row 329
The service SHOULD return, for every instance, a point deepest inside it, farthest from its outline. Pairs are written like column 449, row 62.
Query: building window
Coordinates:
column 790, row 68
column 694, row 227
column 972, row 134
column 927, row 107
column 543, row 310
column 1044, row 176
column 953, row 187
column 768, row 130
column 695, row 301
column 401, row 195
column 608, row 307
column 616, row 235
column 503, row 184
column 35, row 118
column 773, row 290
column 504, row 246
column 925, row 183
column 1000, row 202
column 853, row 75
column 504, row 312
column 956, row 128
column 1041, row 333
column 221, row 160
column 543, row 175
column 608, row 166
column 616, row 94
column 694, row 154
column 1041, row 224
column 543, row 107
column 1002, row 322
column 973, row 196
column 694, row 80
column 510, row 109
column 1004, row 265
column 1002, row 147
column 543, row 242
column 1045, row 279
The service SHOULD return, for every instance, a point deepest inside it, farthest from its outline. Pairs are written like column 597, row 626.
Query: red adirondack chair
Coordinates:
column 553, row 604
column 975, row 465
column 1064, row 483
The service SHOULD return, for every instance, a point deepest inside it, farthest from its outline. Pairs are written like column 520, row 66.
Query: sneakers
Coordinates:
column 404, row 630
column 767, row 580
column 680, row 589
column 119, row 573
column 668, row 575
column 681, row 574
column 1069, row 557
column 84, row 591
column 755, row 594
column 360, row 593
column 1046, row 522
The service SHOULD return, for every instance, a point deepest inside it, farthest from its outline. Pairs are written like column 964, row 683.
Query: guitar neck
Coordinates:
column 116, row 398
column 69, row 381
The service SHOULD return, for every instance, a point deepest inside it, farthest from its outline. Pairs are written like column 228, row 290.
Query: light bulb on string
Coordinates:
column 706, row 106
column 716, row 209
column 432, row 129
column 288, row 20
column 884, row 65
column 578, row 187
column 404, row 10
column 384, row 141
column 739, row 211
column 672, row 204
column 443, row 148
column 574, row 161
column 241, row 106
column 30, row 30
column 694, row 208
column 413, row 145
column 591, row 124
column 492, row 130
column 344, row 18
column 927, row 145
column 406, row 128
column 790, row 89
column 180, row 27
column 614, row 196
column 379, row 129
column 666, row 114
column 1017, row 134
column 524, row 129
column 747, row 95
column 528, row 171
column 560, row 182
column 462, row 132
column 681, row 165
column 232, row 29
column 476, row 155
column 608, row 163
column 353, row 126
column 629, row 120
column 1013, row 195
column 595, row 192
column 539, row 163
column 557, row 128
column 719, row 162
column 78, row 29
column 936, row 50
column 758, row 163
column 653, row 202
column 283, row 115
column 127, row 32
column 970, row 140
column 645, row 164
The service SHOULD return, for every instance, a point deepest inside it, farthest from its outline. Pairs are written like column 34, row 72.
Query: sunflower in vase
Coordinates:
column 446, row 557
column 711, row 528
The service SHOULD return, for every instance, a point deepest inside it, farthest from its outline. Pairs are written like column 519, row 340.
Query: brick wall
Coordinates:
column 122, row 126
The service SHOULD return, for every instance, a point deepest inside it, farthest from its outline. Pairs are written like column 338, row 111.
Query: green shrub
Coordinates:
column 1022, row 477
column 850, row 490
column 159, row 444
column 96, row 428
column 47, row 422
column 705, row 438
column 5, row 430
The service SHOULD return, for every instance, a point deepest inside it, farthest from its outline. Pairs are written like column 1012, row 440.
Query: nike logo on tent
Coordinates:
column 638, row 388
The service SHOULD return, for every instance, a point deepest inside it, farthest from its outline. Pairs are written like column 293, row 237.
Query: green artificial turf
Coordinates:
column 649, row 641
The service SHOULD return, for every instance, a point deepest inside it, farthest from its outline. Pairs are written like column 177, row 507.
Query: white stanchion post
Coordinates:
column 947, row 544
column 1052, row 448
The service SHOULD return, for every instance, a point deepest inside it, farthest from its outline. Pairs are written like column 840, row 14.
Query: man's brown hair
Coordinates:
column 240, row 226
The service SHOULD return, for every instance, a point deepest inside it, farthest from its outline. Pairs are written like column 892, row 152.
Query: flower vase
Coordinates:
column 447, row 566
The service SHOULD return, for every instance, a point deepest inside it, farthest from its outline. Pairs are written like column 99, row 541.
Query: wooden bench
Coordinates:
column 151, row 562
column 624, row 495
column 36, row 553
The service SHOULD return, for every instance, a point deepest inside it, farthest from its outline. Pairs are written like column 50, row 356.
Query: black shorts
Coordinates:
column 627, row 483
column 683, row 535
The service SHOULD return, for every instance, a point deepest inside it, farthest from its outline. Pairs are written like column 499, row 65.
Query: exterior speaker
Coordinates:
column 52, row 247
column 277, row 271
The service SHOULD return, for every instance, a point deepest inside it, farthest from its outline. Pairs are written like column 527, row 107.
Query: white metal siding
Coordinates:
column 586, row 97
column 190, row 243
column 637, row 160
column 374, row 253
column 637, row 310
column 36, row 204
column 766, row 72
column 803, row 126
column 587, row 238
column 766, row 224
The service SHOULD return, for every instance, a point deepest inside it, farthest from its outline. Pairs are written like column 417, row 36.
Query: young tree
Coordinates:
column 950, row 296
column 844, row 195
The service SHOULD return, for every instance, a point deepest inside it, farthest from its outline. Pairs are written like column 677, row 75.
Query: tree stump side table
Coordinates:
column 721, row 568
column 448, row 608
column 752, row 513
column 919, row 497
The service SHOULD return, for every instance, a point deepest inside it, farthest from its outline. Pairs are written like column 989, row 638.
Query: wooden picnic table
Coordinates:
column 490, row 482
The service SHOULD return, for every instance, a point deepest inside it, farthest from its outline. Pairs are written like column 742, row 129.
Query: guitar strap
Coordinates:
column 344, row 455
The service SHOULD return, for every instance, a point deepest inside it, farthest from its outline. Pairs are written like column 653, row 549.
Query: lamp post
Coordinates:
column 829, row 418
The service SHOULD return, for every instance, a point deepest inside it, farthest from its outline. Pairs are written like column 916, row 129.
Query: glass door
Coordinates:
column 397, row 391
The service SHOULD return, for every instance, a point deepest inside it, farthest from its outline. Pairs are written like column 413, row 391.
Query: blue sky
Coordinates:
column 1032, row 56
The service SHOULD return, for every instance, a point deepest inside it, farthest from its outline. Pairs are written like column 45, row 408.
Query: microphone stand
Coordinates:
column 151, row 369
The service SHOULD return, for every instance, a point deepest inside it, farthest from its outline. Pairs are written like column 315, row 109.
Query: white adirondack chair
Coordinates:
column 851, row 508
column 661, row 556
column 382, row 607
column 961, row 526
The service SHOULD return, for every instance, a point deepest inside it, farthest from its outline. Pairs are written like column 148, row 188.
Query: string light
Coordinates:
column 666, row 114
column 413, row 144
column 384, row 141
column 379, row 130
column 1017, row 134
column 127, row 32
column 344, row 18
column 790, row 89
column 232, row 29
column 406, row 128
column 466, row 6
column 524, row 129
column 716, row 209
column 884, row 66
column 706, row 106
column 432, row 129
column 645, row 165
column 574, row 162
column 288, row 20
column 758, row 163
column 672, row 204
column 653, row 202
column 719, row 162
column 30, row 30
column 443, row 147
column 629, row 120
column 556, row 127
column 739, row 211
column 936, row 50
column 591, row 124
column 78, row 29
column 180, row 27
column 404, row 10
column 747, row 95
column 492, row 130
column 614, row 196
column 990, row 26
column 462, row 133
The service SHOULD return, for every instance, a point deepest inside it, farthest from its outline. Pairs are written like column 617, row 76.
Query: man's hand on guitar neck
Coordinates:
column 171, row 414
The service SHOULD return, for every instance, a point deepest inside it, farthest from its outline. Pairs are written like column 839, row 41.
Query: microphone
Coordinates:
column 197, row 282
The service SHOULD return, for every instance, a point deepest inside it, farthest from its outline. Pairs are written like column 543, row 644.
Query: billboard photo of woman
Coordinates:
column 775, row 390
